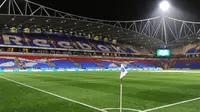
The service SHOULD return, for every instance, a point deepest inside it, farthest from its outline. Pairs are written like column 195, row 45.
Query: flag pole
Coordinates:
column 122, row 74
column 121, row 95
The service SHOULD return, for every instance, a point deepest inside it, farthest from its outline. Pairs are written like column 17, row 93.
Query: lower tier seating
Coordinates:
column 191, row 65
column 13, row 62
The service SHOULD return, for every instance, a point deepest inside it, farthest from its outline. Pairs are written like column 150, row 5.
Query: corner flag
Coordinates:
column 123, row 71
column 122, row 74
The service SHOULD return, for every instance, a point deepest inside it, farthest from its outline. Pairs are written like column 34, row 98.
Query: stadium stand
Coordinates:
column 190, row 64
column 62, row 41
column 34, row 62
column 194, row 50
column 80, row 46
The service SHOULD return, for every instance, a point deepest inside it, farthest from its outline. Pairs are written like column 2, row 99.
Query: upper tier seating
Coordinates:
column 62, row 41
column 194, row 50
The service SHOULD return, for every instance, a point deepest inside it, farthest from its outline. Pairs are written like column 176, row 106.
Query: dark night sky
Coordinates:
column 125, row 9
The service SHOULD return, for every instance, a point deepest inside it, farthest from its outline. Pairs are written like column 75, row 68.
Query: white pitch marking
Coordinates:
column 170, row 105
column 101, row 110
column 123, row 109
column 178, row 71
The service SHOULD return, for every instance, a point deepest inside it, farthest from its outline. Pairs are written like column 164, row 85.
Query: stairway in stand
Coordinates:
column 98, row 64
column 76, row 64
column 26, row 39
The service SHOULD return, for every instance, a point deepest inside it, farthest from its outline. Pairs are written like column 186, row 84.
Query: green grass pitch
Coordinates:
column 141, row 91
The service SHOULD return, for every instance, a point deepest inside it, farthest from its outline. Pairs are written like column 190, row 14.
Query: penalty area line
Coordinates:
column 170, row 105
column 58, row 96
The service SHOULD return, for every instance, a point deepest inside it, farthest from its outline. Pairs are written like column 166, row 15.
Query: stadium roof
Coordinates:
column 152, row 32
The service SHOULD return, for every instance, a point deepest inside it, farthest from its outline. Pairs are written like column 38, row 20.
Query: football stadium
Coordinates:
column 53, row 61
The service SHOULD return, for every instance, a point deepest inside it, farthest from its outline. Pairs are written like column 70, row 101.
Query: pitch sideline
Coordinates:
column 58, row 96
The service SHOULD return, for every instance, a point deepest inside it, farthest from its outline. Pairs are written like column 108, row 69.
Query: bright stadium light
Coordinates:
column 164, row 5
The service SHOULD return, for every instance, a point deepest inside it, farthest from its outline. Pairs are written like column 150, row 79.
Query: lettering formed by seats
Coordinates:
column 38, row 42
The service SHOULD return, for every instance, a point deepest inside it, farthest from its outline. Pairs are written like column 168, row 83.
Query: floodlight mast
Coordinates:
column 164, row 6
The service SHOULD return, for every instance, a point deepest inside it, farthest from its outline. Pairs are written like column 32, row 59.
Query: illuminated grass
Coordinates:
column 141, row 90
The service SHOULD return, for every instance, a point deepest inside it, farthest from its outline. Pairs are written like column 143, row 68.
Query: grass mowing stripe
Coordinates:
column 173, row 104
column 101, row 110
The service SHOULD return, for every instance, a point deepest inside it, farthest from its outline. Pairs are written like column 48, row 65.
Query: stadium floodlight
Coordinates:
column 164, row 5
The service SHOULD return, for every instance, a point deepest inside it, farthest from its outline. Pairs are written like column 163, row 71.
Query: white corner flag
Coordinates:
column 123, row 71
column 122, row 74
